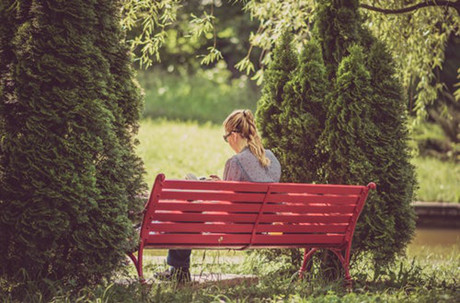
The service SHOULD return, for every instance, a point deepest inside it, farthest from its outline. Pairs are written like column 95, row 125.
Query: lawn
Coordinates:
column 428, row 273
column 176, row 148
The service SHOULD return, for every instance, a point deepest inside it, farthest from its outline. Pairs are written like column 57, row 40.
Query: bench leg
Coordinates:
column 306, row 257
column 345, row 261
column 138, row 263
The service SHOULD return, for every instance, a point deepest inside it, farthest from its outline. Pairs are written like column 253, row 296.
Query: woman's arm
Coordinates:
column 232, row 171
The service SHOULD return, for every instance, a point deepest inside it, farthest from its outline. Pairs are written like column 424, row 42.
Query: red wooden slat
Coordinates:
column 206, row 206
column 262, row 187
column 247, row 228
column 308, row 198
column 219, row 185
column 216, row 240
column 296, row 228
column 293, row 239
column 236, row 246
column 252, row 207
column 199, row 239
column 198, row 217
column 201, row 227
column 317, row 188
column 309, row 208
column 314, row 218
column 212, row 196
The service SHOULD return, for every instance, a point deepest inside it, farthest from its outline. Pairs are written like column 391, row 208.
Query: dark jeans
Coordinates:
column 179, row 257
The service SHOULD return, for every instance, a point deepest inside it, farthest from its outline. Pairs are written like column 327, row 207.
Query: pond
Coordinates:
column 438, row 241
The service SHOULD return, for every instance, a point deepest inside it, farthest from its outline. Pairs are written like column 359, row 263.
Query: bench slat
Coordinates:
column 308, row 198
column 252, row 207
column 226, row 239
column 256, row 197
column 262, row 187
column 212, row 196
column 317, row 188
column 245, row 228
column 221, row 217
column 215, row 185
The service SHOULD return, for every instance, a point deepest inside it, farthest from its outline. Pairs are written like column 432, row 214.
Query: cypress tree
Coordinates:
column 302, row 117
column 337, row 26
column 389, row 222
column 66, row 185
column 343, row 142
column 382, row 146
column 348, row 123
column 126, row 101
column 7, row 58
column 269, row 105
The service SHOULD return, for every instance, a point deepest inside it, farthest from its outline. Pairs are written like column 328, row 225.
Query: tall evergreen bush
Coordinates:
column 383, row 123
column 67, row 145
column 389, row 156
column 337, row 26
column 269, row 105
column 363, row 136
column 125, row 102
column 302, row 117
column 348, row 123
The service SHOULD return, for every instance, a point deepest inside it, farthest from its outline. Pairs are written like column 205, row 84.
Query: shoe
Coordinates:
column 175, row 274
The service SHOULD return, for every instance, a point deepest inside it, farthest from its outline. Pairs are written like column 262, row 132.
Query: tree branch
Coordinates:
column 440, row 3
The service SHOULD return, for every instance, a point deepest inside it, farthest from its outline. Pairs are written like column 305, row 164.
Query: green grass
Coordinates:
column 207, row 96
column 410, row 279
column 177, row 148
column 439, row 181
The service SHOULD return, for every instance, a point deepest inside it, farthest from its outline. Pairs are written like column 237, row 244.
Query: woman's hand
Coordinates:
column 214, row 177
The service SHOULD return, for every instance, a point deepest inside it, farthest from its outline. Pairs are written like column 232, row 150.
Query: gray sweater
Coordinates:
column 245, row 166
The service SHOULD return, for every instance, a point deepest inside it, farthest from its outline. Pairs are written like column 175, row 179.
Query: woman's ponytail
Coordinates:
column 243, row 122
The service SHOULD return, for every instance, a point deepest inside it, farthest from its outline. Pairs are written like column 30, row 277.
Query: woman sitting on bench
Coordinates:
column 252, row 163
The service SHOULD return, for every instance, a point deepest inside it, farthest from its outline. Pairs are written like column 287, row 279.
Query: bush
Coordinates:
column 363, row 129
column 68, row 168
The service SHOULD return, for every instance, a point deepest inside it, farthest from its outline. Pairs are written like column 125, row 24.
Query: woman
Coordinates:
column 251, row 163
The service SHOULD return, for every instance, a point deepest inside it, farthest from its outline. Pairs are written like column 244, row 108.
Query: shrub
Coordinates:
column 68, row 171
column 363, row 131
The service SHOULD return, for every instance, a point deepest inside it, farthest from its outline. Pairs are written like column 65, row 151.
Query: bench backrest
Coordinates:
column 226, row 214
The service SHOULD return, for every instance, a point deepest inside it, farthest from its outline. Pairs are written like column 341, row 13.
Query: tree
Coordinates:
column 69, row 109
column 302, row 117
column 125, row 102
column 389, row 156
column 269, row 105
column 360, row 115
column 348, row 122
column 365, row 137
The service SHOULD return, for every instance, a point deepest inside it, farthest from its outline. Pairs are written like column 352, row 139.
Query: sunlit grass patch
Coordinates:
column 178, row 148
column 439, row 181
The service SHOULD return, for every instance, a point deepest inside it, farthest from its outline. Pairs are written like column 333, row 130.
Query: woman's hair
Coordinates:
column 242, row 121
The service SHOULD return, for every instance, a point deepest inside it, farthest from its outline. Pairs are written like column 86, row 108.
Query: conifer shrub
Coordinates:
column 302, row 117
column 363, row 132
column 337, row 26
column 276, row 76
column 348, row 123
column 68, row 166
column 389, row 155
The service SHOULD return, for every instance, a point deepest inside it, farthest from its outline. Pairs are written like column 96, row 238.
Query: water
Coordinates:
column 441, row 242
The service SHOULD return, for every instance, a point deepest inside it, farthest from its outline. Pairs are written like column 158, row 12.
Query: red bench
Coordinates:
column 243, row 215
